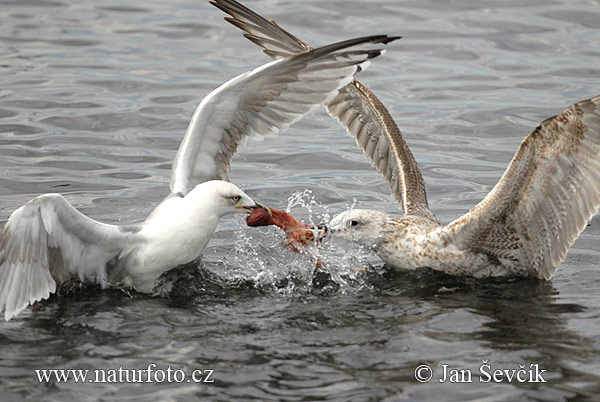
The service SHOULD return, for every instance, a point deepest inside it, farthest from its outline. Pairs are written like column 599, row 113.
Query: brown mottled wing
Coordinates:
column 276, row 42
column 548, row 193
column 376, row 133
column 358, row 109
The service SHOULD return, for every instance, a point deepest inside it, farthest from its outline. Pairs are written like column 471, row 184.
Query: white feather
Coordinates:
column 261, row 102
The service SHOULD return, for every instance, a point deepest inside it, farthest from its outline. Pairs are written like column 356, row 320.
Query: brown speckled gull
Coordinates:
column 523, row 227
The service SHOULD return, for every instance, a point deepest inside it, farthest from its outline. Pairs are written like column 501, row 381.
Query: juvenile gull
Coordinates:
column 47, row 241
column 524, row 226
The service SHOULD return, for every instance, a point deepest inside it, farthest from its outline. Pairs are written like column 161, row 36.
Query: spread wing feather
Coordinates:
column 48, row 240
column 264, row 102
column 357, row 109
column 545, row 198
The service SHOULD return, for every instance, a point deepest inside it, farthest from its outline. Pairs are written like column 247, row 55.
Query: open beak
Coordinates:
column 337, row 225
column 322, row 232
column 259, row 205
column 256, row 205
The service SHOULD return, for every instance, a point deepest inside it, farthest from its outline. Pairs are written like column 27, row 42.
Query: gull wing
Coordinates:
column 276, row 42
column 357, row 109
column 262, row 102
column 546, row 196
column 47, row 239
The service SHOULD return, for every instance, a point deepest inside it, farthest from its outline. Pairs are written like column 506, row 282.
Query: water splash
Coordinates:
column 259, row 257
column 305, row 199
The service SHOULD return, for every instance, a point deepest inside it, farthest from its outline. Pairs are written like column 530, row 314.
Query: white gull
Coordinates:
column 47, row 241
column 523, row 227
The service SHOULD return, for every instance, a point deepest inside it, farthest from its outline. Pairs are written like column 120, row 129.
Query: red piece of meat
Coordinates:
column 299, row 234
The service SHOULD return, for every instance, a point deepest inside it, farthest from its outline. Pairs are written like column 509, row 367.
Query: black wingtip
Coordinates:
column 385, row 39
column 391, row 39
column 371, row 54
column 373, row 39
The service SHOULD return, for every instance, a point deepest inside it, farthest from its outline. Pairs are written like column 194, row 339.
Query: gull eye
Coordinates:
column 354, row 223
column 236, row 198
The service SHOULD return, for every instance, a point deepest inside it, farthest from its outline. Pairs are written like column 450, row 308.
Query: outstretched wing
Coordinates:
column 48, row 240
column 544, row 199
column 262, row 102
column 276, row 42
column 358, row 109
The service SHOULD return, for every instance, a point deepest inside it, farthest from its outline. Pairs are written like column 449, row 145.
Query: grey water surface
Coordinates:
column 95, row 97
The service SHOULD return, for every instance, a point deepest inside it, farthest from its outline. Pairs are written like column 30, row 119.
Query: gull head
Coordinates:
column 222, row 198
column 360, row 225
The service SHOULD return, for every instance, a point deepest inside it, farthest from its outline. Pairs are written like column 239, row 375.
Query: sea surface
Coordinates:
column 95, row 97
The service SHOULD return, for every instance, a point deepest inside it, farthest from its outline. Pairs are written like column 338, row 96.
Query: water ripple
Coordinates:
column 95, row 99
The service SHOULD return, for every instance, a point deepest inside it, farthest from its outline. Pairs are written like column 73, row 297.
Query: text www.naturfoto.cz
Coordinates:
column 121, row 375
